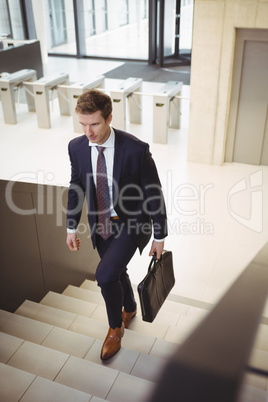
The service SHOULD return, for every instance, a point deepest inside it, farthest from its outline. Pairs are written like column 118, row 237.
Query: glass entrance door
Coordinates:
column 175, row 23
column 57, row 21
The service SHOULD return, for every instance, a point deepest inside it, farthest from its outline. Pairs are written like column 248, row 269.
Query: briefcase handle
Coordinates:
column 153, row 262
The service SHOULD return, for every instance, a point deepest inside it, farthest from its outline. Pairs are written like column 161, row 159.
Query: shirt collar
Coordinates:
column 109, row 143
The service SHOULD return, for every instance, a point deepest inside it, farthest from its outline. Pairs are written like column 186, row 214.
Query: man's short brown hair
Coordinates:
column 92, row 100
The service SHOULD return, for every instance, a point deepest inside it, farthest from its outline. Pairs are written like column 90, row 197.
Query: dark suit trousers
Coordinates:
column 111, row 273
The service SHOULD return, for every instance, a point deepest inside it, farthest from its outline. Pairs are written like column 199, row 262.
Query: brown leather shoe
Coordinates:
column 112, row 342
column 127, row 317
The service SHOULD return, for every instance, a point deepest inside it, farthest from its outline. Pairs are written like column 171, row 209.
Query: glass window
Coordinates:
column 123, row 12
column 11, row 23
column 61, row 29
column 169, row 28
column 121, row 29
column 110, row 28
column 100, row 16
column 5, row 26
column 16, row 19
column 89, row 16
column 186, row 27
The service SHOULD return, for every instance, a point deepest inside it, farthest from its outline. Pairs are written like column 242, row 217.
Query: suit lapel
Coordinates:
column 119, row 152
column 86, row 158
column 88, row 176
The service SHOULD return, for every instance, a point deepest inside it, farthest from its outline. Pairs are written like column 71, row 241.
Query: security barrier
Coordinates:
column 8, row 84
column 126, row 100
column 124, row 93
column 166, row 110
column 40, row 91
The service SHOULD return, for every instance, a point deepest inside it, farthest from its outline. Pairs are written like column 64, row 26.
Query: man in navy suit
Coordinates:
column 136, row 206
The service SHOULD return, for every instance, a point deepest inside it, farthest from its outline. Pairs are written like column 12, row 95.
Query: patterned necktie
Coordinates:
column 103, row 196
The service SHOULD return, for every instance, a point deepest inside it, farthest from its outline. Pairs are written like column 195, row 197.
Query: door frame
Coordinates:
column 242, row 35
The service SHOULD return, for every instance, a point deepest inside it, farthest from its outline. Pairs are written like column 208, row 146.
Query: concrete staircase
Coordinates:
column 49, row 351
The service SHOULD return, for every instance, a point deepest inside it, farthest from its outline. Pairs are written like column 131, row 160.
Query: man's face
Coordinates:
column 95, row 127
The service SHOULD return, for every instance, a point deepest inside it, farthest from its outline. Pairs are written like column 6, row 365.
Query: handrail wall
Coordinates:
column 34, row 256
column 209, row 366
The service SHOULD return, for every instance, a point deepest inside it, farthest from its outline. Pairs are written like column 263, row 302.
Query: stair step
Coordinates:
column 78, row 344
column 84, row 294
column 97, row 328
column 261, row 341
column 53, row 337
column 164, row 317
column 132, row 340
column 166, row 324
column 169, row 305
column 82, row 346
column 158, row 328
column 129, row 361
column 38, row 360
column 43, row 390
column 92, row 328
column 123, row 361
column 255, row 381
column 163, row 349
column 80, row 374
column 130, row 389
column 69, row 304
column 8, row 346
column 27, row 328
column 148, row 367
column 69, row 342
column 90, row 285
column 5, row 316
column 13, row 383
column 102, row 381
column 18, row 385
column 53, row 347
column 87, row 377
column 46, row 314
column 252, row 394
column 259, row 358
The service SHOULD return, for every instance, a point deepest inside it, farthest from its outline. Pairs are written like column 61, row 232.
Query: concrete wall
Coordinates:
column 215, row 22
column 34, row 257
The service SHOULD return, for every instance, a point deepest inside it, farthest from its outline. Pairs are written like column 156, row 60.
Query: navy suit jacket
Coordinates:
column 137, row 195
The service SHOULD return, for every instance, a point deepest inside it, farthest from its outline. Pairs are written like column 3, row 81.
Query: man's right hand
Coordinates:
column 73, row 242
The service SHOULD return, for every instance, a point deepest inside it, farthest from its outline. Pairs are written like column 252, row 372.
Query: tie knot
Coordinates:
column 100, row 149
